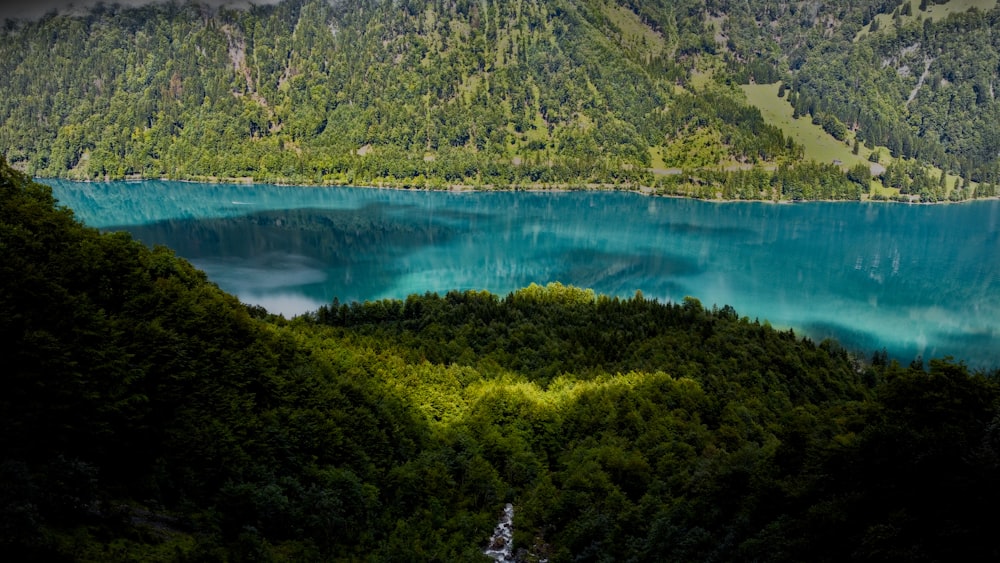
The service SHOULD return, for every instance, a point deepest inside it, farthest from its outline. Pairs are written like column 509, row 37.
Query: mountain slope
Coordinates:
column 916, row 77
column 494, row 93
column 565, row 93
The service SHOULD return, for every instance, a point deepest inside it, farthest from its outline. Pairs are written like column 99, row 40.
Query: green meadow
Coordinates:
column 933, row 12
column 819, row 145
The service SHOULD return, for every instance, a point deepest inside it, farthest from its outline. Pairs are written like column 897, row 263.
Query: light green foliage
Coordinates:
column 927, row 10
column 919, row 87
column 536, row 93
column 491, row 93
column 426, row 95
column 818, row 145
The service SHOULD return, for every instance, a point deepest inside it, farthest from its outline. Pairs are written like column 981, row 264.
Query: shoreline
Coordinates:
column 642, row 190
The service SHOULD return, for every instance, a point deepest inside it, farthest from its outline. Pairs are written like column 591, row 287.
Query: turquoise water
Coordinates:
column 917, row 280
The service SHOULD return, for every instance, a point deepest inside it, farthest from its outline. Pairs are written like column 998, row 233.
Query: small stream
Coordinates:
column 501, row 546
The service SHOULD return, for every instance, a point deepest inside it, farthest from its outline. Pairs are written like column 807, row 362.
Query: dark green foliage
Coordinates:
column 543, row 333
column 806, row 181
column 831, row 125
column 923, row 90
column 146, row 414
column 132, row 377
column 757, row 446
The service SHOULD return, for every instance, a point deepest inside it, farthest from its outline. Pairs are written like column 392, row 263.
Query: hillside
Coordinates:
column 565, row 93
column 415, row 93
column 146, row 415
column 914, row 78
column 429, row 94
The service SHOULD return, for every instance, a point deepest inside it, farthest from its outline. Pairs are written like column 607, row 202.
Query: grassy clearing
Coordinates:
column 939, row 11
column 703, row 76
column 700, row 79
column 819, row 145
column 635, row 34
column 659, row 165
column 934, row 12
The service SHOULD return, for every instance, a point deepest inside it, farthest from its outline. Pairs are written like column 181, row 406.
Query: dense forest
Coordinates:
column 420, row 93
column 923, row 87
column 898, row 74
column 487, row 94
column 147, row 415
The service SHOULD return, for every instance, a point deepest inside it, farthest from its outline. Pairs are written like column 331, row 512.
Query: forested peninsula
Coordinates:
column 868, row 99
column 147, row 415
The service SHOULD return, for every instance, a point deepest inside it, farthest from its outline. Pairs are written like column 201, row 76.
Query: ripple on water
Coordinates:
column 851, row 271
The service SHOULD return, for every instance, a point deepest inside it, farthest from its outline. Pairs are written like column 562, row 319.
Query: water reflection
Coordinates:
column 914, row 279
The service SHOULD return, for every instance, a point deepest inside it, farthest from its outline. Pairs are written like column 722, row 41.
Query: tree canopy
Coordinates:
column 145, row 414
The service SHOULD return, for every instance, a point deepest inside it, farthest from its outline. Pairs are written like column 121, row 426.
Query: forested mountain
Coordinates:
column 918, row 77
column 146, row 415
column 431, row 93
column 414, row 92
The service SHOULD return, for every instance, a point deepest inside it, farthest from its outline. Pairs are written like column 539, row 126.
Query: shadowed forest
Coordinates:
column 147, row 415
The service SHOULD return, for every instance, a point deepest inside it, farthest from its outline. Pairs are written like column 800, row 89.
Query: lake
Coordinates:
column 916, row 280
